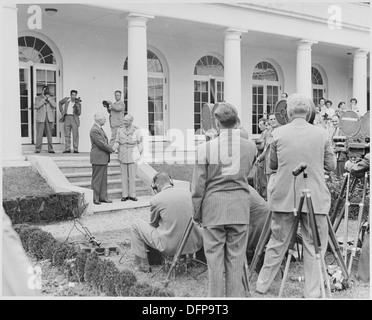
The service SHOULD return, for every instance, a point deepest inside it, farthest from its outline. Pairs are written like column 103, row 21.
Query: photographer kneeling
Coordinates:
column 171, row 210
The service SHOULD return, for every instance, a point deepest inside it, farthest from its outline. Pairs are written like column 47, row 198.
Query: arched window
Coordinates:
column 318, row 85
column 37, row 67
column 156, row 86
column 265, row 92
column 35, row 50
column 208, row 85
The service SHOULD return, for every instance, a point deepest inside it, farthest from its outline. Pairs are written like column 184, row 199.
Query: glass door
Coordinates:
column 45, row 75
column 156, row 105
column 26, row 109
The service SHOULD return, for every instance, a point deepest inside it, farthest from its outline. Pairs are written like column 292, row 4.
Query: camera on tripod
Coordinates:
column 356, row 137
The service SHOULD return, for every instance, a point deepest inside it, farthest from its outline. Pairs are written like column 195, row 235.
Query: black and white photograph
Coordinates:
column 190, row 151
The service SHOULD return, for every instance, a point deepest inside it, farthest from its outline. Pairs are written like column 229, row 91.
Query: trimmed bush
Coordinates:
column 50, row 208
column 126, row 279
column 48, row 248
column 25, row 233
column 36, row 241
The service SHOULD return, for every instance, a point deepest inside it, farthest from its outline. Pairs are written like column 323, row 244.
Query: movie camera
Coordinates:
column 281, row 115
column 356, row 136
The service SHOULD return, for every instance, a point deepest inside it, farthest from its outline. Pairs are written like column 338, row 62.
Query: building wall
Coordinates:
column 93, row 61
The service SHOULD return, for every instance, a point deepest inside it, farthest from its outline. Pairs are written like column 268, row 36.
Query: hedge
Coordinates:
column 101, row 274
column 50, row 208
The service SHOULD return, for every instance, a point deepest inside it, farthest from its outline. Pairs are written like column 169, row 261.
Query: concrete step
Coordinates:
column 112, row 184
column 117, row 205
column 117, row 193
column 87, row 176
column 78, row 167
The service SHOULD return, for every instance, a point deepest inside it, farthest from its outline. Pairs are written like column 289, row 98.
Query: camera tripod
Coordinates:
column 344, row 214
column 179, row 251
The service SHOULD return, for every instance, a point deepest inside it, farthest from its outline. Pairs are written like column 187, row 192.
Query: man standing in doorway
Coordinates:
column 70, row 108
column 116, row 110
column 45, row 107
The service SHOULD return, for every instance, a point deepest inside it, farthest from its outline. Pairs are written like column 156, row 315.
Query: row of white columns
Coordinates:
column 137, row 73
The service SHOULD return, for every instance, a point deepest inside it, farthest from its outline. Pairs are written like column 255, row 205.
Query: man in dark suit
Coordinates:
column 45, row 108
column 296, row 142
column 221, row 200
column 99, row 158
column 70, row 109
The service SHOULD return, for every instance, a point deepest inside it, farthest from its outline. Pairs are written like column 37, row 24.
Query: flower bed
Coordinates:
column 100, row 274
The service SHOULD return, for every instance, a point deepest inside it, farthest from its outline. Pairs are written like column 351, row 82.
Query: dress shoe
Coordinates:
column 76, row 151
column 51, row 151
column 133, row 198
column 37, row 151
column 96, row 202
column 124, row 198
column 67, row 151
column 106, row 201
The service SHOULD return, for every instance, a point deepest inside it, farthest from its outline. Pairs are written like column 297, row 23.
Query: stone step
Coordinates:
column 112, row 184
column 117, row 193
column 78, row 167
column 87, row 175
column 117, row 205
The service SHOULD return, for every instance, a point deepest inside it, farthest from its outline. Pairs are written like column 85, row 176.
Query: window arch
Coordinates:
column 318, row 85
column 208, row 85
column 156, row 93
column 265, row 91
column 35, row 50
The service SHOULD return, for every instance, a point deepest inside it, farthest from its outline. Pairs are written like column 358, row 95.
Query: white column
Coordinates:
column 10, row 109
column 137, row 69
column 360, row 79
column 303, row 68
column 232, row 68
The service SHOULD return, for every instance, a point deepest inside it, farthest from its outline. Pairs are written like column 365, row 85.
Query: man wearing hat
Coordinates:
column 45, row 107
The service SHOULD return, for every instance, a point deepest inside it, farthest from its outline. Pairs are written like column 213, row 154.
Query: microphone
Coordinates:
column 301, row 167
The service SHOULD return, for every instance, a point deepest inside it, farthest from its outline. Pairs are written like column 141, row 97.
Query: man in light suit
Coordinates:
column 45, row 108
column 221, row 200
column 70, row 109
column 116, row 110
column 293, row 143
column 171, row 211
column 99, row 158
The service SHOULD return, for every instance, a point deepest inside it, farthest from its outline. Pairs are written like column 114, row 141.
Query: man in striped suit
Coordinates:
column 221, row 200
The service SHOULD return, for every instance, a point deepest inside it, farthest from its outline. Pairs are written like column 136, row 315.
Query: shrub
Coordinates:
column 62, row 252
column 24, row 234
column 48, row 248
column 141, row 289
column 50, row 208
column 81, row 260
column 126, row 279
column 110, row 278
column 90, row 266
column 35, row 242
column 19, row 227
column 158, row 291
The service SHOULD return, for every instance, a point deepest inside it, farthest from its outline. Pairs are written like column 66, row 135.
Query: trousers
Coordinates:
column 99, row 182
column 282, row 226
column 128, row 179
column 40, row 126
column 71, row 125
column 225, row 250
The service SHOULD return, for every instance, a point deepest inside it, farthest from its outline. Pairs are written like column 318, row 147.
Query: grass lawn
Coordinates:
column 23, row 182
column 176, row 171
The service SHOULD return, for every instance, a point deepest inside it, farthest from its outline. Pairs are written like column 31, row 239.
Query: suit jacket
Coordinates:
column 100, row 151
column 358, row 169
column 117, row 114
column 293, row 143
column 220, row 190
column 63, row 105
column 171, row 210
column 126, row 141
column 44, row 109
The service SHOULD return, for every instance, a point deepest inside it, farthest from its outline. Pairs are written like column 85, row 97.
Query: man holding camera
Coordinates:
column 70, row 108
column 171, row 211
column 45, row 107
column 116, row 111
column 294, row 143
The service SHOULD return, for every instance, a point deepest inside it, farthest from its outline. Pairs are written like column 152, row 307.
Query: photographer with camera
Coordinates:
column 338, row 146
column 117, row 112
column 297, row 141
column 171, row 210
column 70, row 108
column 45, row 107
